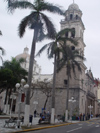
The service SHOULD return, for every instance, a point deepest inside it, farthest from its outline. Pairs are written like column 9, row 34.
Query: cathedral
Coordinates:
column 82, row 87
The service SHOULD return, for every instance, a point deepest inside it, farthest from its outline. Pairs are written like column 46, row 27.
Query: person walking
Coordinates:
column 35, row 112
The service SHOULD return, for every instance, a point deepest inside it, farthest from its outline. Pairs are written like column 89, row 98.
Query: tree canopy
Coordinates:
column 11, row 73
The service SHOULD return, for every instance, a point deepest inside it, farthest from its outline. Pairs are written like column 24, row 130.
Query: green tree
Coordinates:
column 69, row 60
column 42, row 26
column 10, row 74
column 6, row 78
column 15, row 66
column 6, row 82
column 53, row 49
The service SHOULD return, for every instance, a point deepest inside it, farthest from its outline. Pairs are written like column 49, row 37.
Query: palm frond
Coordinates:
column 60, row 64
column 78, row 65
column 62, row 32
column 21, row 5
column 51, row 50
column 43, row 48
column 69, row 60
column 80, row 57
column 51, row 31
column 2, row 50
column 24, row 23
column 41, row 35
column 51, row 8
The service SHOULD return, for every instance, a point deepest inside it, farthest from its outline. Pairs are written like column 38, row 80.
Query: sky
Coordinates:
column 15, row 45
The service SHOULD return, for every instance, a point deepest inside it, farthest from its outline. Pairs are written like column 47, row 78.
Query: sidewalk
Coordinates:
column 11, row 129
column 5, row 129
column 33, row 127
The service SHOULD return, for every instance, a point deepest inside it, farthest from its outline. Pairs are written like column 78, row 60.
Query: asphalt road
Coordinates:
column 82, row 127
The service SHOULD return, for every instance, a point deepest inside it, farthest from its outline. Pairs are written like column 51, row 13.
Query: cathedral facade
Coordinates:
column 81, row 87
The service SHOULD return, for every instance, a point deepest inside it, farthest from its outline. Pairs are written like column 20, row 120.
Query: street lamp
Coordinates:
column 72, row 100
column 13, row 96
column 20, row 88
column 90, row 107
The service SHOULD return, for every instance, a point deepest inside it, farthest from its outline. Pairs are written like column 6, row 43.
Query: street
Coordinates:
column 81, row 127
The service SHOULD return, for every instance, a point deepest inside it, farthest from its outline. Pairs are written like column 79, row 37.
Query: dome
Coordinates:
column 73, row 7
column 24, row 55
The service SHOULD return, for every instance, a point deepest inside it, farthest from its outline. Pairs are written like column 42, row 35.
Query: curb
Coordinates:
column 45, row 127
column 39, row 128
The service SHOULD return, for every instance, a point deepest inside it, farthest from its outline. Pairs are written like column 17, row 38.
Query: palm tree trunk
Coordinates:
column 67, row 98
column 53, row 93
column 30, row 74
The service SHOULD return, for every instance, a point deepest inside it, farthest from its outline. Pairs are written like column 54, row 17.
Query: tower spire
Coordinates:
column 73, row 1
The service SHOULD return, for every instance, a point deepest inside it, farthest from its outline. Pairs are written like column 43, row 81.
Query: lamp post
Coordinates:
column 20, row 88
column 72, row 100
column 90, row 107
column 13, row 96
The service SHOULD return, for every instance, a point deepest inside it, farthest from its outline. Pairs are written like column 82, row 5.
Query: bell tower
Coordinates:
column 73, row 20
column 77, row 89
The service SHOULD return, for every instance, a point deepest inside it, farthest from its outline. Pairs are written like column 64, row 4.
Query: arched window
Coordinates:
column 71, row 16
column 72, row 48
column 65, row 82
column 76, row 17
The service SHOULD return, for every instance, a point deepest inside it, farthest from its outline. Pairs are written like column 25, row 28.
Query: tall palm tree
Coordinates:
column 42, row 26
column 69, row 60
column 53, row 49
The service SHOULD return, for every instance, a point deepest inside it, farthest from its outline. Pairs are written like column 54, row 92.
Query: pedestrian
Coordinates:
column 35, row 112
column 48, row 113
column 30, row 119
column 83, row 117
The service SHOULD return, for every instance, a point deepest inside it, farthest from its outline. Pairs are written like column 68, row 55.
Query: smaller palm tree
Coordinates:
column 53, row 50
column 69, row 60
